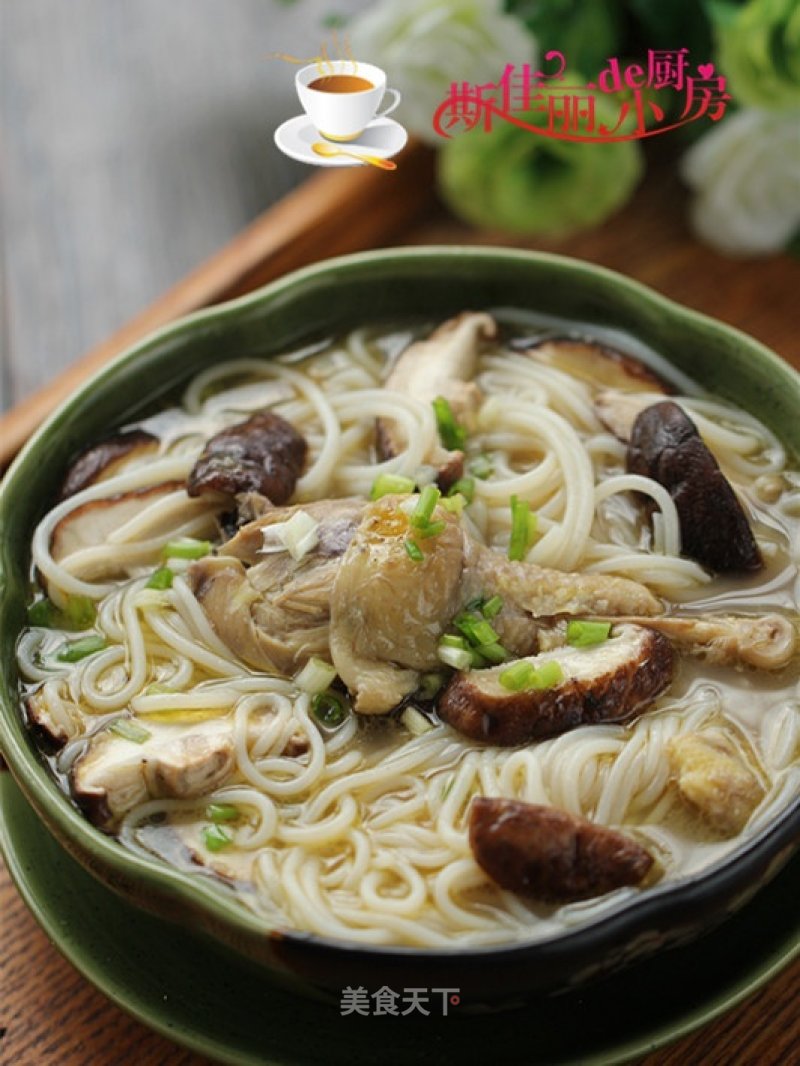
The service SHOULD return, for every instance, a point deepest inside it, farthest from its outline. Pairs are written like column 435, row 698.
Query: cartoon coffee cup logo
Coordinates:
column 346, row 119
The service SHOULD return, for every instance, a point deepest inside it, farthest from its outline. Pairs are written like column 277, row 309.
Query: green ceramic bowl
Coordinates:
column 310, row 304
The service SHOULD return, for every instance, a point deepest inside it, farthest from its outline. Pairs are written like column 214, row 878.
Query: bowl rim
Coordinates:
column 213, row 900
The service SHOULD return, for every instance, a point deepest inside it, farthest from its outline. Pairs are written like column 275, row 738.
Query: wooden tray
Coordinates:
column 347, row 210
column 46, row 1006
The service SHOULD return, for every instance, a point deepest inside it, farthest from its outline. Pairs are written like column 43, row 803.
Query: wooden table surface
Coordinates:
column 52, row 1016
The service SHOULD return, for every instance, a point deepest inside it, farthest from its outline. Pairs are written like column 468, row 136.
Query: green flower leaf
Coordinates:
column 759, row 52
column 586, row 32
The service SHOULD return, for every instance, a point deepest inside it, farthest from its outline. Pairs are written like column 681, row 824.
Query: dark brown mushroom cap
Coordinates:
column 97, row 460
column 264, row 454
column 549, row 854
column 665, row 445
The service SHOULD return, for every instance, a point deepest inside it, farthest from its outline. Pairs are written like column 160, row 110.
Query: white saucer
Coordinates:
column 382, row 137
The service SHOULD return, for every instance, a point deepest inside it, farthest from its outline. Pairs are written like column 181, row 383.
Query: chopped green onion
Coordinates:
column 426, row 505
column 446, row 789
column 492, row 607
column 186, row 548
column 476, row 660
column 549, row 674
column 413, row 551
column 523, row 529
column 299, row 534
column 582, row 634
column 79, row 612
column 523, row 676
column 450, row 640
column 389, row 484
column 316, row 676
column 216, row 838
column 493, row 653
column 517, row 677
column 451, row 434
column 328, row 708
column 42, row 613
column 75, row 650
column 477, row 630
column 465, row 486
column 416, row 722
column 454, row 504
column 222, row 812
column 129, row 730
column 433, row 529
column 161, row 579
column 458, row 658
column 429, row 685
column 482, row 467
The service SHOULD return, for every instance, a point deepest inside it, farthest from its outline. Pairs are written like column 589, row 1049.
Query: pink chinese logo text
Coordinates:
column 663, row 93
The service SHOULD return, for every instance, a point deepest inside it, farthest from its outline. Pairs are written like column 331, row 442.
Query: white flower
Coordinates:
column 746, row 176
column 425, row 45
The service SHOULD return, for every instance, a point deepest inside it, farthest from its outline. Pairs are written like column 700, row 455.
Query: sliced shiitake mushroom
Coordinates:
column 597, row 364
column 549, row 854
column 264, row 454
column 101, row 461
column 441, row 365
column 608, row 682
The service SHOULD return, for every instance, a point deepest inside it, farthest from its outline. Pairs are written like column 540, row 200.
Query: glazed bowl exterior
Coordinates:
column 432, row 283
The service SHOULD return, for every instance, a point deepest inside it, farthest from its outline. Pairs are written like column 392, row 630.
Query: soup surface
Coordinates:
column 288, row 633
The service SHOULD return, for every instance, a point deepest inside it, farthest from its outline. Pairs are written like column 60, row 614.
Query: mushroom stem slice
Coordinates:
column 443, row 365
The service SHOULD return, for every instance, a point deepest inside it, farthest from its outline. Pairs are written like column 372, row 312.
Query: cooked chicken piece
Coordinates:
column 264, row 454
column 549, row 854
column 337, row 523
column 101, row 461
column 666, row 445
column 388, row 610
column 596, row 364
column 714, row 779
column 275, row 636
column 766, row 643
column 544, row 593
column 442, row 365
column 275, row 614
column 99, row 525
column 608, row 682
column 115, row 774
